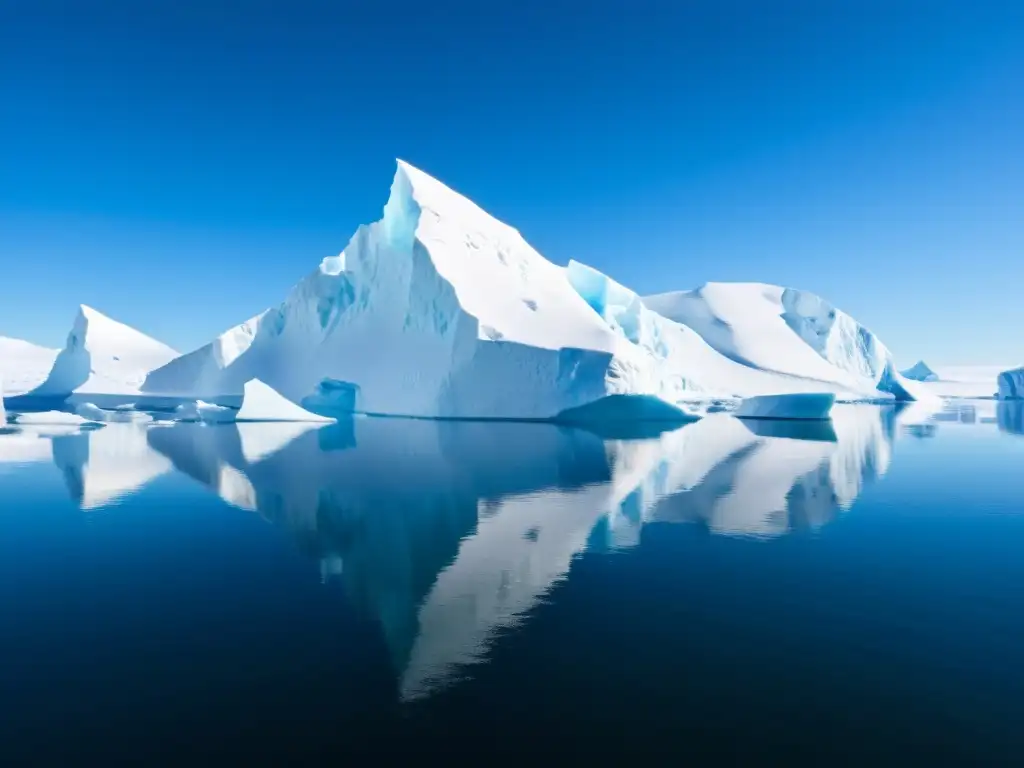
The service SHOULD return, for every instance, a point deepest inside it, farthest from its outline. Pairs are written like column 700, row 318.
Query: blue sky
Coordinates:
column 180, row 165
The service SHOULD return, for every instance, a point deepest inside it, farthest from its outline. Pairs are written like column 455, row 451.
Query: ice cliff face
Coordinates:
column 103, row 356
column 1011, row 384
column 440, row 310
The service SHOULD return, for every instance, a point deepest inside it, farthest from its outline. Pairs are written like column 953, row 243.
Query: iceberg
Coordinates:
column 259, row 403
column 93, row 412
column 102, row 356
column 23, row 365
column 804, row 405
column 790, row 333
column 440, row 310
column 262, row 403
column 50, row 418
column 1011, row 384
column 200, row 410
column 920, row 371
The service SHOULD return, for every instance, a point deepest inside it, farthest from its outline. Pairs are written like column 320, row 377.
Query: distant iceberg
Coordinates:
column 920, row 371
column 23, row 365
column 102, row 356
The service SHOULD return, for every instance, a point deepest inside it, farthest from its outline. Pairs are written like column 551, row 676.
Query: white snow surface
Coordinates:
column 49, row 418
column 103, row 356
column 93, row 412
column 790, row 333
column 202, row 411
column 965, row 381
column 262, row 403
column 802, row 405
column 1011, row 384
column 23, row 365
column 440, row 310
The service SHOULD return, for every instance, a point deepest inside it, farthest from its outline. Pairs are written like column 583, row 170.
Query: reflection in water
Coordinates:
column 1010, row 416
column 924, row 420
column 447, row 532
column 103, row 465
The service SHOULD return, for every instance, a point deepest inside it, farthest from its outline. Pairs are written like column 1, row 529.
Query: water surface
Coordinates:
column 726, row 590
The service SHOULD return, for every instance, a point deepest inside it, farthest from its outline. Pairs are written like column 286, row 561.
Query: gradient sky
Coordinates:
column 179, row 165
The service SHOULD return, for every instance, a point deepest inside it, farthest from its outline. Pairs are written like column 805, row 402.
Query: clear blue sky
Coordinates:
column 179, row 165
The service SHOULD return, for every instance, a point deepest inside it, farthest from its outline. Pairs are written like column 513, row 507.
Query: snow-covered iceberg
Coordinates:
column 791, row 333
column 200, row 410
column 51, row 418
column 259, row 403
column 1011, row 384
column 814, row 406
column 262, row 403
column 920, row 371
column 23, row 365
column 440, row 310
column 93, row 412
column 102, row 356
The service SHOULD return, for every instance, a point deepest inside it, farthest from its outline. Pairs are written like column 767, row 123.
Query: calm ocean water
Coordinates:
column 723, row 591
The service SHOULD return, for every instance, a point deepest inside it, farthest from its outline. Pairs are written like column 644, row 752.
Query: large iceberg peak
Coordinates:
column 413, row 189
column 440, row 310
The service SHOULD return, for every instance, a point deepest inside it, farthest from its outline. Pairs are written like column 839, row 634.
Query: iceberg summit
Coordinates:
column 441, row 310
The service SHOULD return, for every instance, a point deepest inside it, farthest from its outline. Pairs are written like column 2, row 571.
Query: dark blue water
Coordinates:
column 725, row 591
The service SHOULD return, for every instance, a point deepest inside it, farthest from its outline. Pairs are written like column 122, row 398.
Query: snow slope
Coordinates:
column 789, row 332
column 23, row 366
column 262, row 403
column 103, row 356
column 440, row 310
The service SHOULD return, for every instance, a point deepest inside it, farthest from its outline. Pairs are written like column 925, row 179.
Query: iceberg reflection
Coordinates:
column 1010, row 416
column 448, row 532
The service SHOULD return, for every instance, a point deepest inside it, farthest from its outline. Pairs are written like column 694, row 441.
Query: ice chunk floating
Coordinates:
column 262, row 403
column 804, row 405
column 202, row 411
